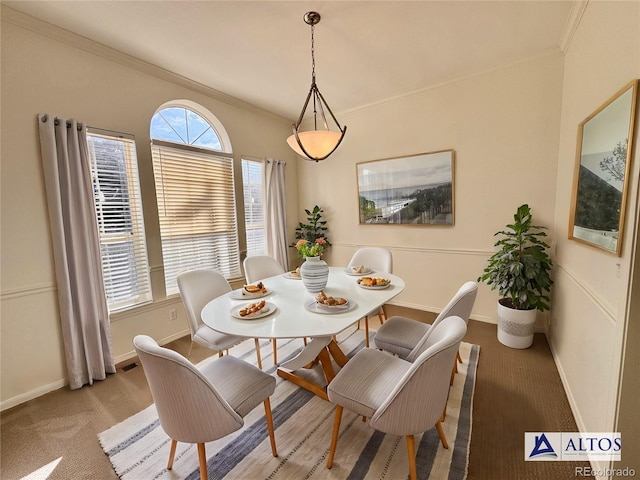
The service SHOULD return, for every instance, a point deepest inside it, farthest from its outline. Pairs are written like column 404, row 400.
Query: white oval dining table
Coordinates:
column 290, row 318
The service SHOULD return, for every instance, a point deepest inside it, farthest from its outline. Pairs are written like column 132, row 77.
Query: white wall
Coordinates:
column 503, row 125
column 45, row 70
column 591, row 286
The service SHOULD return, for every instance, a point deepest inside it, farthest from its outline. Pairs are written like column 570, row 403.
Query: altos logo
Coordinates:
column 567, row 446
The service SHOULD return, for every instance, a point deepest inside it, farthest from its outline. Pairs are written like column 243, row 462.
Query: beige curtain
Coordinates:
column 275, row 211
column 76, row 250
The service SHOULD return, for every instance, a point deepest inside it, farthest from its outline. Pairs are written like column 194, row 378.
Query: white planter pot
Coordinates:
column 515, row 327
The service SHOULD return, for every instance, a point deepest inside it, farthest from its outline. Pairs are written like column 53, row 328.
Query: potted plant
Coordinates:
column 311, row 241
column 316, row 228
column 520, row 271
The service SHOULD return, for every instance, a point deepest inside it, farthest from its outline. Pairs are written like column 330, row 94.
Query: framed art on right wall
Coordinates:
column 603, row 163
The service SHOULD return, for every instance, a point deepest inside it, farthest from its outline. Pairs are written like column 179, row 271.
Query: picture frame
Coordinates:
column 408, row 190
column 603, row 163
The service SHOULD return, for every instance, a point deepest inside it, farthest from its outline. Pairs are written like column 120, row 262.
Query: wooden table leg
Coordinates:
column 327, row 367
column 304, row 383
column 337, row 353
column 324, row 357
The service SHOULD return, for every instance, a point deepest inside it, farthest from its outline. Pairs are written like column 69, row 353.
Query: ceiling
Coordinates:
column 366, row 51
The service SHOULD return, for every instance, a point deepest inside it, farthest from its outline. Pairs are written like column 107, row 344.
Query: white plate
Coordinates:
column 374, row 287
column 366, row 271
column 239, row 295
column 268, row 309
column 291, row 276
column 315, row 307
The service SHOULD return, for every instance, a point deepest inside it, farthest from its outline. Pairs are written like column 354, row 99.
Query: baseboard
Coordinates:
column 38, row 392
column 129, row 355
column 423, row 308
column 595, row 465
column 44, row 389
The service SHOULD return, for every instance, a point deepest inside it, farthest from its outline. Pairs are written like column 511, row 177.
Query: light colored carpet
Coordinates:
column 138, row 448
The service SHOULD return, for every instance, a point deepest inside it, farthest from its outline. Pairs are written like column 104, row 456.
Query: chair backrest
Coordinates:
column 189, row 407
column 460, row 306
column 259, row 267
column 417, row 401
column 197, row 288
column 376, row 258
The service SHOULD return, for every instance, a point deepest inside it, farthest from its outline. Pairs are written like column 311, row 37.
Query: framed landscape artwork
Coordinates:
column 603, row 163
column 409, row 190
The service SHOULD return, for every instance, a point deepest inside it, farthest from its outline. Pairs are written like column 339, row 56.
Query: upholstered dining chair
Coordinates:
column 259, row 267
column 380, row 260
column 198, row 404
column 397, row 396
column 401, row 335
column 407, row 338
column 197, row 288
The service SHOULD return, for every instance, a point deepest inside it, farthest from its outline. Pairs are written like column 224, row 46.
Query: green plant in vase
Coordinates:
column 315, row 229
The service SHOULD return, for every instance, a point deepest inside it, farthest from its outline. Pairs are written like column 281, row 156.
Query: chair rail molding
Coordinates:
column 37, row 289
column 607, row 309
column 395, row 248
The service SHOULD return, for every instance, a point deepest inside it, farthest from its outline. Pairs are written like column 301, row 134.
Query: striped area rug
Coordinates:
column 138, row 448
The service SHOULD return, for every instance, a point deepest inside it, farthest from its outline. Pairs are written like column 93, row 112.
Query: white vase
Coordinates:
column 315, row 274
column 515, row 327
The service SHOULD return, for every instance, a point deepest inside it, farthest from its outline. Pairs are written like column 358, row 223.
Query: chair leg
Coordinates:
column 275, row 351
column 454, row 369
column 443, row 439
column 172, row 453
column 411, row 451
column 258, row 357
column 304, row 340
column 334, row 437
column 190, row 347
column 384, row 316
column 459, row 357
column 269, row 417
column 202, row 457
column 366, row 331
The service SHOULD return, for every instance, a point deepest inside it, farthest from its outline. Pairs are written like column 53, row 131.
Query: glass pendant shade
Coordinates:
column 318, row 143
column 315, row 144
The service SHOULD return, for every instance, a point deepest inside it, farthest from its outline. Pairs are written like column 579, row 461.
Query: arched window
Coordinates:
column 184, row 126
column 193, row 170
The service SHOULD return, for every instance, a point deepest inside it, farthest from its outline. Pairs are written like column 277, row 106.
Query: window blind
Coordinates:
column 196, row 209
column 252, row 172
column 118, row 204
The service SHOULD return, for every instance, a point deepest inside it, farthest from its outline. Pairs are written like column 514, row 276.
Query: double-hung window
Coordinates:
column 196, row 197
column 118, row 204
column 252, row 172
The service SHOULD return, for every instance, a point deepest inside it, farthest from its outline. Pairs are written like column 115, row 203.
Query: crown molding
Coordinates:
column 67, row 37
column 573, row 22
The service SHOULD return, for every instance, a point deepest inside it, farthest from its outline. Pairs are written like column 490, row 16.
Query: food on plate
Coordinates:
column 374, row 281
column 358, row 269
column 295, row 273
column 252, row 308
column 330, row 301
column 253, row 289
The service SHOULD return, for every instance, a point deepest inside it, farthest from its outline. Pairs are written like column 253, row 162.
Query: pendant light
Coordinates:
column 316, row 144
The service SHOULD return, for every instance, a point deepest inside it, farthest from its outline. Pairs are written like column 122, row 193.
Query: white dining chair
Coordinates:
column 407, row 338
column 197, row 288
column 397, row 396
column 381, row 261
column 259, row 267
column 198, row 404
column 400, row 335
